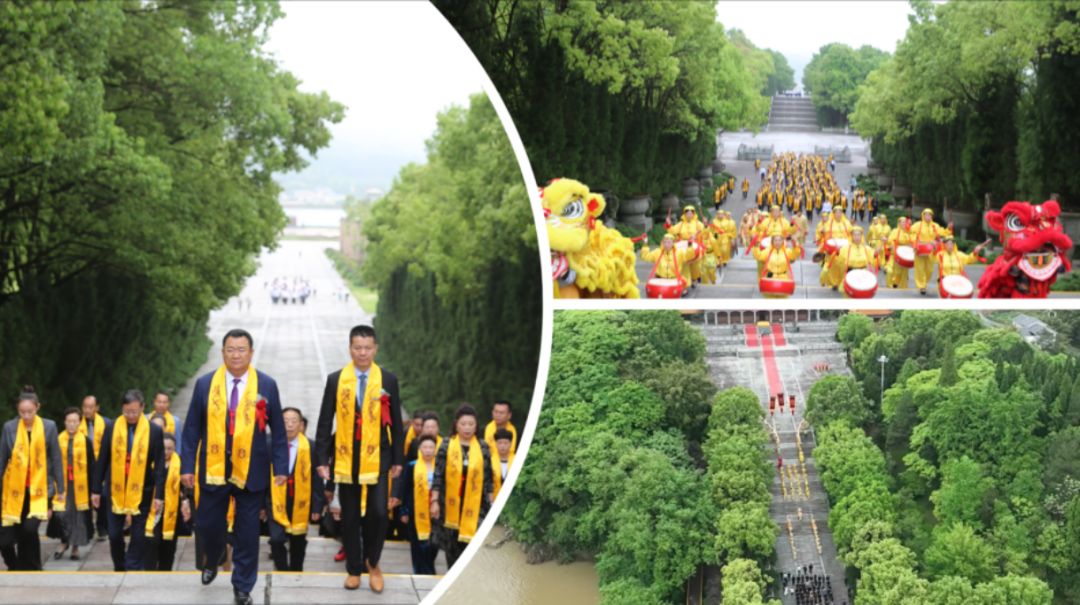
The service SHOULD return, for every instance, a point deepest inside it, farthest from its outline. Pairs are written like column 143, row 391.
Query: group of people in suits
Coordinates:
column 240, row 460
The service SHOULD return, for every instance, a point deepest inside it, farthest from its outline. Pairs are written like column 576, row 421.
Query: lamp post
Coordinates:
column 882, row 360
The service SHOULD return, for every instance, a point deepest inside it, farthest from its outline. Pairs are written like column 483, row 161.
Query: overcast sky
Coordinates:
column 394, row 65
column 798, row 29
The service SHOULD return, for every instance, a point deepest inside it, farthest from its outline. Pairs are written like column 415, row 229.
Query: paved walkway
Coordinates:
column 786, row 363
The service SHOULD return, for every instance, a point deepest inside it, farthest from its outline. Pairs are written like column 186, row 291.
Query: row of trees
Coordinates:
column 739, row 478
column 978, row 99
column 140, row 142
column 625, row 96
column 834, row 75
column 609, row 475
column 962, row 484
column 637, row 466
column 452, row 252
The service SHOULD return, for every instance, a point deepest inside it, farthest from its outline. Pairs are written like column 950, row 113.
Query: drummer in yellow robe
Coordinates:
column 876, row 236
column 835, row 226
column 687, row 230
column 926, row 231
column 723, row 232
column 775, row 260
column 802, row 227
column 774, row 224
column 671, row 261
column 951, row 261
column 856, row 254
column 899, row 236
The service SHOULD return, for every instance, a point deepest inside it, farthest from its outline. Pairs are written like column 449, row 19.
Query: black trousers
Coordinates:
column 20, row 544
column 363, row 537
column 213, row 530
column 286, row 549
column 131, row 557
column 102, row 517
column 160, row 554
column 453, row 551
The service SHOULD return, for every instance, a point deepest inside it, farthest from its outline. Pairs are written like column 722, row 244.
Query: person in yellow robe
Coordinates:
column 32, row 468
column 926, row 231
column 94, row 424
column 687, row 230
column 802, row 227
column 745, row 187
column 717, row 198
column 757, row 164
column 876, row 236
column 951, row 261
column 724, row 240
column 671, row 262
column 775, row 261
column 856, row 254
column 835, row 226
column 897, row 275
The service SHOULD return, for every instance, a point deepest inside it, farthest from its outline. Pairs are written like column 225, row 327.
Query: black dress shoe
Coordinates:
column 208, row 575
column 242, row 598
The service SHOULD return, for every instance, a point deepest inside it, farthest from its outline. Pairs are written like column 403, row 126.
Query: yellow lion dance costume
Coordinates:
column 588, row 260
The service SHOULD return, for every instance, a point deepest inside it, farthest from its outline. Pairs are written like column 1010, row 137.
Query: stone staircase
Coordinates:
column 792, row 114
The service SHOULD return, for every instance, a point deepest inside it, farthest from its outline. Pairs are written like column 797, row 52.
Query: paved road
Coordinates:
column 733, row 363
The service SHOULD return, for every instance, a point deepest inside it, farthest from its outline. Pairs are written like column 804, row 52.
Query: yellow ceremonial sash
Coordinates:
column 496, row 470
column 26, row 455
column 127, row 487
column 409, row 436
column 489, row 435
column 217, row 409
column 346, row 427
column 421, row 499
column 99, row 432
column 172, row 502
column 301, row 509
column 78, row 459
column 463, row 514
column 170, row 422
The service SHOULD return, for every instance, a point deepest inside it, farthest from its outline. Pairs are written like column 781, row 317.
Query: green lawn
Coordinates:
column 368, row 298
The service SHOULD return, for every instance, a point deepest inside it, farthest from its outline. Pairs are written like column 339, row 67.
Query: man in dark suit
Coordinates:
column 364, row 401
column 150, row 455
column 231, row 410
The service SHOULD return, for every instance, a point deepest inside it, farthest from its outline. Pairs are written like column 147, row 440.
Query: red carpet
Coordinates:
column 772, row 373
column 751, row 335
column 778, row 335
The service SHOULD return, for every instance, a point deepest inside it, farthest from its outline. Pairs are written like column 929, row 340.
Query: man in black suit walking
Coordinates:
column 364, row 402
column 227, row 421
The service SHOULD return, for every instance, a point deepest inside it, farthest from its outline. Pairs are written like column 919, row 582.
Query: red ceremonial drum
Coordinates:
column 834, row 244
column 860, row 283
column 785, row 287
column 696, row 247
column 955, row 286
column 905, row 256
column 659, row 287
column 925, row 249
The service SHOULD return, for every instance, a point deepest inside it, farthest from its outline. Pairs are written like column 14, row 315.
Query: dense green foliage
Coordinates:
column 452, row 252
column 971, row 492
column 140, row 141
column 979, row 99
column 833, row 76
column 624, row 96
column 615, row 470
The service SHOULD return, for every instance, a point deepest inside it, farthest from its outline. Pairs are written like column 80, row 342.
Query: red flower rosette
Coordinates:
column 385, row 401
column 260, row 413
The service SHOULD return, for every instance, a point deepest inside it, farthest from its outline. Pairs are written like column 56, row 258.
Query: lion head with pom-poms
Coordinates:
column 588, row 260
column 1035, row 252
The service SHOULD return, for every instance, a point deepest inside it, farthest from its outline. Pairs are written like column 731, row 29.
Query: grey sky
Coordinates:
column 798, row 29
column 394, row 65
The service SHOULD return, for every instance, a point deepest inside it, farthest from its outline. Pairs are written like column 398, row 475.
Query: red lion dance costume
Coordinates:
column 1035, row 247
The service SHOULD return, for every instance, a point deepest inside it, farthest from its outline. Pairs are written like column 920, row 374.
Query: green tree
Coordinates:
column 140, row 148
column 743, row 584
column 963, row 489
column 835, row 398
column 956, row 550
column 833, row 76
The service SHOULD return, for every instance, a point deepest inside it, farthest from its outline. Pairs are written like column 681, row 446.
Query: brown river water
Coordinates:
column 503, row 576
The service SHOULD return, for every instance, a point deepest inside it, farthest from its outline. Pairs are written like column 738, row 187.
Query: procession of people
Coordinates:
column 240, row 466
column 851, row 236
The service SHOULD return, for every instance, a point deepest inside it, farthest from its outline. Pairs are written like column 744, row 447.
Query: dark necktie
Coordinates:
column 234, row 399
column 360, row 394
